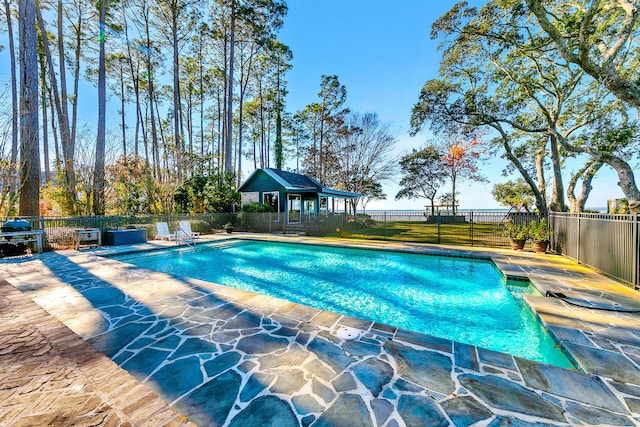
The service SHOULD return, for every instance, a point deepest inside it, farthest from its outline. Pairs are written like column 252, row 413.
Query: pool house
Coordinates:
column 299, row 198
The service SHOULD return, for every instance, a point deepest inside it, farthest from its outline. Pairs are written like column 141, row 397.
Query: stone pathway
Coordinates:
column 51, row 377
column 227, row 357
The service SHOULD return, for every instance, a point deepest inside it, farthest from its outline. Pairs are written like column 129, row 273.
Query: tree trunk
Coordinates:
column 262, row 127
column 146, row 144
column 135, row 77
column 154, row 132
column 62, row 68
column 279, row 148
column 190, row 121
column 297, row 152
column 268, row 147
column 29, row 147
column 177, row 108
column 255, row 158
column 68, row 147
column 278, row 143
column 228, row 132
column 320, row 172
column 627, row 181
column 201, row 99
column 165, row 176
column 54, row 131
column 541, row 202
column 587, row 172
column 221, row 104
column 76, row 77
column 98, row 173
column 123, row 122
column 13, row 162
column 557, row 190
column 245, row 73
column 45, row 134
column 240, row 125
column 540, row 169
column 453, row 194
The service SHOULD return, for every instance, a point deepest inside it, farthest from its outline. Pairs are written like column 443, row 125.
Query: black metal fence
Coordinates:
column 463, row 228
column 610, row 243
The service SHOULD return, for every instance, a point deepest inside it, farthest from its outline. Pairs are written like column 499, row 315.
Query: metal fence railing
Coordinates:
column 463, row 228
column 60, row 231
column 609, row 243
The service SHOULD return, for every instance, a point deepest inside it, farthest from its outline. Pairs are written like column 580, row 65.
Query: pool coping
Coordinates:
column 577, row 343
column 581, row 335
column 378, row 325
column 573, row 334
column 577, row 334
column 46, row 358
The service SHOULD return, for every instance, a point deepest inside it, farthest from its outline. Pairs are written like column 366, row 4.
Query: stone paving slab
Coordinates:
column 50, row 376
column 228, row 357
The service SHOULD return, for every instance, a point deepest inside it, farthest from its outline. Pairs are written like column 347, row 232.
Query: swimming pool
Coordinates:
column 461, row 299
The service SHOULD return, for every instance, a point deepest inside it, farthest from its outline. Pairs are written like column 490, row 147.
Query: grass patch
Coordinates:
column 477, row 234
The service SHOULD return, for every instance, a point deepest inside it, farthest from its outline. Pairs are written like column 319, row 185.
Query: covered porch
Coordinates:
column 296, row 198
column 306, row 207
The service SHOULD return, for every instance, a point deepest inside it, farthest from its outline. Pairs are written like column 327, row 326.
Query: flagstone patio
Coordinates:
column 222, row 356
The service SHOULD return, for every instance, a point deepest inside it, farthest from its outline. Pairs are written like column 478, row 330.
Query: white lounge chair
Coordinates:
column 185, row 226
column 162, row 232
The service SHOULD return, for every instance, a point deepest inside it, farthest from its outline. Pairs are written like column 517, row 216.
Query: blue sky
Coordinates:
column 383, row 53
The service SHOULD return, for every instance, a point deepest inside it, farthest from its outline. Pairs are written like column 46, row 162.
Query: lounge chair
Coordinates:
column 185, row 226
column 162, row 232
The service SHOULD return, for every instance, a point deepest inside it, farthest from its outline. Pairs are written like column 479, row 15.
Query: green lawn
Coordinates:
column 484, row 234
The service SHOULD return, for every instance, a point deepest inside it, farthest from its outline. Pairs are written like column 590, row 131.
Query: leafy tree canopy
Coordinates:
column 422, row 174
column 214, row 193
column 514, row 194
column 221, row 194
column 133, row 189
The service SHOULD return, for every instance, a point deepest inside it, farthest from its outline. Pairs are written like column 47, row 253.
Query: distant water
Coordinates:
column 503, row 210
column 424, row 210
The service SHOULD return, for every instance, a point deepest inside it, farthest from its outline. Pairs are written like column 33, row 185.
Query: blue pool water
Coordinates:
column 461, row 299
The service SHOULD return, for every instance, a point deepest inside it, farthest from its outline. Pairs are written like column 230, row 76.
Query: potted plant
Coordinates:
column 539, row 232
column 229, row 227
column 518, row 234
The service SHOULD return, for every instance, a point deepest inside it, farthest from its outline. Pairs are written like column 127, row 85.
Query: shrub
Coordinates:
column 256, row 207
column 517, row 231
column 539, row 230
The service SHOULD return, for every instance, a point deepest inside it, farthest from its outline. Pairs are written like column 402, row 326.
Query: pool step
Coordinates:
column 295, row 229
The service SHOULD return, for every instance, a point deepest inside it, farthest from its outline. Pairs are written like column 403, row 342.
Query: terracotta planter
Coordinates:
column 540, row 246
column 517, row 244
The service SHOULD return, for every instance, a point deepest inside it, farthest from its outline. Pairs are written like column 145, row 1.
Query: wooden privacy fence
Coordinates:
column 609, row 243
